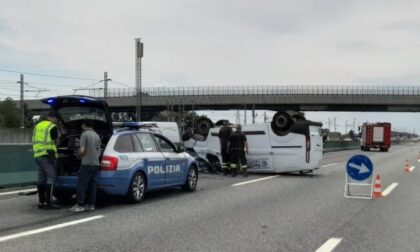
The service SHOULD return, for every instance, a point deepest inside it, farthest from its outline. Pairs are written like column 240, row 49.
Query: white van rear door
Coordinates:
column 288, row 152
column 259, row 157
column 317, row 146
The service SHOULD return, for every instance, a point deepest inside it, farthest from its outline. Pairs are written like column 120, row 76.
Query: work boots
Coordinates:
column 48, row 198
column 245, row 172
column 225, row 172
column 41, row 195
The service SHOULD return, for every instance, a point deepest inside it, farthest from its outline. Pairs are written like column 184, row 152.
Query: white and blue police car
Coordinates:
column 133, row 161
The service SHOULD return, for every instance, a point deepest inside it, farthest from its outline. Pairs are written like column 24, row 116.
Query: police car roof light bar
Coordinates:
column 134, row 125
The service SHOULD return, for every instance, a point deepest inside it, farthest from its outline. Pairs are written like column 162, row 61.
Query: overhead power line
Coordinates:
column 55, row 84
column 48, row 75
column 122, row 84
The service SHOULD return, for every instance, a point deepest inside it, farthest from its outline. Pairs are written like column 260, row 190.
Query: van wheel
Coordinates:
column 215, row 164
column 281, row 123
column 204, row 125
column 191, row 181
column 63, row 195
column 137, row 188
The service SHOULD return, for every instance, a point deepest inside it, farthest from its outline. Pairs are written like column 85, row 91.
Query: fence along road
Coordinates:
column 305, row 98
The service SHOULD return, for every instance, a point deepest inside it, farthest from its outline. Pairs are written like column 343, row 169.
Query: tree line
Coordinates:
column 10, row 114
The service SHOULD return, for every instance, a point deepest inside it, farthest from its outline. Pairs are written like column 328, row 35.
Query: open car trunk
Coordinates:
column 72, row 111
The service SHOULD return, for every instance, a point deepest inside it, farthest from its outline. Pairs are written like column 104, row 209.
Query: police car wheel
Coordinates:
column 192, row 178
column 137, row 188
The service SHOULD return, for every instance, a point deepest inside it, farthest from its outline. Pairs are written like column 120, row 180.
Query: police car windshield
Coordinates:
column 69, row 114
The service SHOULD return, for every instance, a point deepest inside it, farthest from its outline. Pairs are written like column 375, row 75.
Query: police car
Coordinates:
column 132, row 161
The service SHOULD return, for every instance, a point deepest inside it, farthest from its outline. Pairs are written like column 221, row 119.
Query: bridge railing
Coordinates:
column 263, row 90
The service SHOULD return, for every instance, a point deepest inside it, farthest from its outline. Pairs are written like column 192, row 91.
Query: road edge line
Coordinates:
column 255, row 180
column 329, row 245
column 17, row 192
column 389, row 189
column 49, row 228
column 328, row 165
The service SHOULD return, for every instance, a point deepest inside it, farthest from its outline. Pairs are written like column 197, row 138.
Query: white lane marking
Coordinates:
column 329, row 245
column 412, row 168
column 389, row 189
column 255, row 180
column 16, row 192
column 328, row 165
column 46, row 229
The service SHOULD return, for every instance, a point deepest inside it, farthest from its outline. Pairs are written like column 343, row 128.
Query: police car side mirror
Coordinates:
column 181, row 149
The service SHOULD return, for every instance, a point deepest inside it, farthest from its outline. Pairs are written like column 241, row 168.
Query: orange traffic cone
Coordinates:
column 406, row 166
column 377, row 189
column 418, row 158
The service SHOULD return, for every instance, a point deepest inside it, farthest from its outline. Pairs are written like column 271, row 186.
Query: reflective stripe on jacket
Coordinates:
column 41, row 139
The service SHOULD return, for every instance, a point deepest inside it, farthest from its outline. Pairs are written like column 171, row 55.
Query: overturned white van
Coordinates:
column 290, row 143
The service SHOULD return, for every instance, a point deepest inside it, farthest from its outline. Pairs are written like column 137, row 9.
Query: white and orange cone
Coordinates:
column 406, row 166
column 418, row 158
column 377, row 188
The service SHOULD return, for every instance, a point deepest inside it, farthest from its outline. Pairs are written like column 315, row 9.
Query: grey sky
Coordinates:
column 239, row 42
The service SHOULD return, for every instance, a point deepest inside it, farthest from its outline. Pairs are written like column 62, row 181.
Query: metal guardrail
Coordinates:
column 263, row 90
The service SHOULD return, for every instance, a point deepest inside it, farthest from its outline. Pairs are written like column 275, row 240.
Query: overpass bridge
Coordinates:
column 303, row 98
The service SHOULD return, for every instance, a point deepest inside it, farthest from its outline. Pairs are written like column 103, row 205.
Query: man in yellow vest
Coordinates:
column 44, row 142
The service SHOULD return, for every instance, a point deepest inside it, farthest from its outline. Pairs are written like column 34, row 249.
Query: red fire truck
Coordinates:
column 376, row 135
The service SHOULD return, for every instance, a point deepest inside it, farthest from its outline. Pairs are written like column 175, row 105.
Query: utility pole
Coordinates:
column 335, row 124
column 238, row 117
column 193, row 116
column 253, row 113
column 106, row 85
column 22, row 114
column 346, row 128
column 354, row 124
column 329, row 124
column 139, row 55
column 245, row 114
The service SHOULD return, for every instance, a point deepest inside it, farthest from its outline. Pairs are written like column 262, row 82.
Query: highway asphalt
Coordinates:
column 279, row 213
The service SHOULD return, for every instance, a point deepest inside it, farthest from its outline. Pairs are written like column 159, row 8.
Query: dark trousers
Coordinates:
column 46, row 178
column 225, row 158
column 86, row 185
column 238, row 157
column 46, row 170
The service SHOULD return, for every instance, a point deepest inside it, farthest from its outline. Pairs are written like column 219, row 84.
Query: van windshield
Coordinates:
column 69, row 114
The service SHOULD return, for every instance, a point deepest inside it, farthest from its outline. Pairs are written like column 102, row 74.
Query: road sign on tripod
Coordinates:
column 359, row 180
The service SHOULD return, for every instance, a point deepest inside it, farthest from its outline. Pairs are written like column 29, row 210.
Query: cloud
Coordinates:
column 201, row 42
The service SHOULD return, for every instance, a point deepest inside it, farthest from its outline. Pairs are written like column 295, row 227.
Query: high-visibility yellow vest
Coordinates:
column 41, row 139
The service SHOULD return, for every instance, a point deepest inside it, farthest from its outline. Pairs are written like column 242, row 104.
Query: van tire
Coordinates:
column 203, row 126
column 296, row 115
column 281, row 123
column 215, row 164
column 221, row 122
column 191, row 180
column 137, row 188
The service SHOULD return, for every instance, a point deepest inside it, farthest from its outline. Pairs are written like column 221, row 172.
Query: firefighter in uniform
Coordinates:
column 44, row 144
column 238, row 146
column 224, row 135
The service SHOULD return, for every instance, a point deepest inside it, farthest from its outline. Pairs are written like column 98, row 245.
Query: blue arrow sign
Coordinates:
column 359, row 167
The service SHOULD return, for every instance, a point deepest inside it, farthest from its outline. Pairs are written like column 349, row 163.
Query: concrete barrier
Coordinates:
column 16, row 136
column 18, row 165
column 331, row 146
